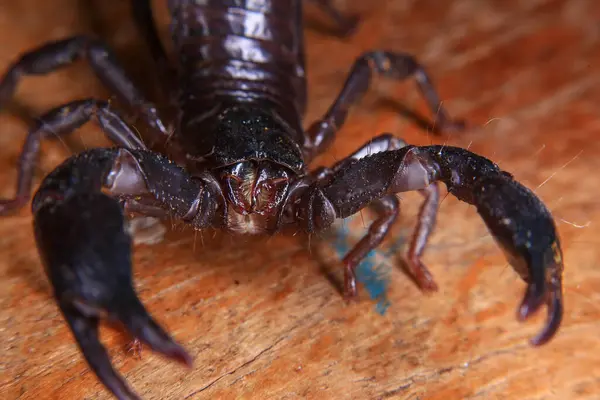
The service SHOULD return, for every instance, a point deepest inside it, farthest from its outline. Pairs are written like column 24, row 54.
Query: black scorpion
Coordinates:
column 238, row 160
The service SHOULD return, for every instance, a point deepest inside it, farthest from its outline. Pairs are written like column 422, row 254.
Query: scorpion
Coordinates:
column 235, row 157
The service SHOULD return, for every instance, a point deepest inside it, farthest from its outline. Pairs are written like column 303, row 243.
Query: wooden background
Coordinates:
column 261, row 315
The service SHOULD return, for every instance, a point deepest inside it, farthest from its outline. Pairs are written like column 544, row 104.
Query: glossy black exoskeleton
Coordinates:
column 237, row 160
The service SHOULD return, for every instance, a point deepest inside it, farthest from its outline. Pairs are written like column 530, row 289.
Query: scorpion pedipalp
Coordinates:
column 86, row 252
column 515, row 216
column 524, row 229
column 86, row 249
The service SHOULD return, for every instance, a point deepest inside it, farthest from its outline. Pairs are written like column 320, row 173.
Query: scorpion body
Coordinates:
column 242, row 78
column 250, row 54
column 237, row 160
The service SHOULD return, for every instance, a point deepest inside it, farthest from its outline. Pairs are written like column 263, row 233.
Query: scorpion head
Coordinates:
column 254, row 156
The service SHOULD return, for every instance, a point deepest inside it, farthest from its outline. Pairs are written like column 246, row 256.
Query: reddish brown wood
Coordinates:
column 259, row 314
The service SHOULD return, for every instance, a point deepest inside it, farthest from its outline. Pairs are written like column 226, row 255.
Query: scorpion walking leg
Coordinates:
column 390, row 204
column 389, row 208
column 79, row 228
column 425, row 224
column 64, row 120
column 54, row 55
column 393, row 65
column 518, row 220
column 142, row 12
column 346, row 25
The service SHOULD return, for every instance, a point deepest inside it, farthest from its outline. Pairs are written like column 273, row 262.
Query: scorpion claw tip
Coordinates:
column 527, row 308
column 533, row 301
column 181, row 355
column 143, row 327
column 85, row 330
column 535, row 296
column 554, row 319
column 173, row 350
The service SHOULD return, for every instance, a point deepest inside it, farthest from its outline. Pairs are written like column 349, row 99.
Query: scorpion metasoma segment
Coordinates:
column 237, row 160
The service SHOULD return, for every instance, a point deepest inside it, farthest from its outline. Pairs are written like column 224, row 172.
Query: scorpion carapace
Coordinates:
column 242, row 159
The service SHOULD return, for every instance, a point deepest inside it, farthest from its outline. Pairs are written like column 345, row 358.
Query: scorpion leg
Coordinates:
column 64, row 120
column 425, row 224
column 54, row 55
column 142, row 13
column 79, row 229
column 389, row 208
column 518, row 220
column 346, row 25
column 392, row 65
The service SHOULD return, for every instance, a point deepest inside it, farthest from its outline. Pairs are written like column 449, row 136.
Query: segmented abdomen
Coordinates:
column 240, row 51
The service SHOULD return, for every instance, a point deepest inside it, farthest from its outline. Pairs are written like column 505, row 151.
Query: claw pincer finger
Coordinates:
column 517, row 219
column 524, row 229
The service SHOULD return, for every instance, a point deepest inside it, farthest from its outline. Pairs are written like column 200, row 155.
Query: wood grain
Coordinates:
column 259, row 314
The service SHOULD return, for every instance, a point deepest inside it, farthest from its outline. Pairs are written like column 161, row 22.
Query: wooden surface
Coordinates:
column 263, row 316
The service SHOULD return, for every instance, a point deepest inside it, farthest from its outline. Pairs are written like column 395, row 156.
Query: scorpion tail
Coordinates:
column 86, row 252
column 524, row 229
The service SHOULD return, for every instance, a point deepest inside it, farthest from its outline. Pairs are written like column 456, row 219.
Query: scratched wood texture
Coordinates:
column 263, row 316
